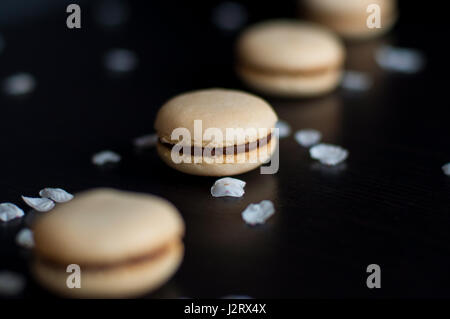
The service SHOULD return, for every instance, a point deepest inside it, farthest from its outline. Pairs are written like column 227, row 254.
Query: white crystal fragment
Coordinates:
column 284, row 129
column 120, row 60
column 328, row 154
column 144, row 141
column 308, row 137
column 356, row 81
column 446, row 169
column 228, row 186
column 58, row 195
column 19, row 84
column 25, row 238
column 104, row 157
column 39, row 204
column 258, row 213
column 229, row 16
column 9, row 211
column 400, row 59
column 11, row 283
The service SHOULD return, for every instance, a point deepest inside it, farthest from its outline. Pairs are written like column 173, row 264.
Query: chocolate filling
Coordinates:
column 105, row 266
column 235, row 149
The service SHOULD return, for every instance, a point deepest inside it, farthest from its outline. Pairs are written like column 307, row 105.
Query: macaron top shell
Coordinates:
column 289, row 46
column 216, row 108
column 346, row 7
column 105, row 226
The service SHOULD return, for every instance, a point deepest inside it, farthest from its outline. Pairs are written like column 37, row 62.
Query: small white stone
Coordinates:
column 105, row 157
column 446, row 169
column 9, row 211
column 356, row 81
column 228, row 186
column 120, row 60
column 284, row 129
column 25, row 238
column 19, row 84
column 145, row 141
column 58, row 195
column 39, row 204
column 328, row 154
column 11, row 283
column 229, row 16
column 308, row 137
column 258, row 213
column 400, row 59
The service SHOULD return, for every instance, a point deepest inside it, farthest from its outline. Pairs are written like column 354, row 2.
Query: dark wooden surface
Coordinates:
column 388, row 204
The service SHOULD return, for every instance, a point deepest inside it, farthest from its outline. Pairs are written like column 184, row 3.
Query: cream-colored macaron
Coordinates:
column 350, row 18
column 125, row 244
column 215, row 132
column 290, row 58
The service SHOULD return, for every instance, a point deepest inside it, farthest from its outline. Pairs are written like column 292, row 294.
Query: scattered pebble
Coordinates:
column 112, row 13
column 105, row 157
column 145, row 141
column 308, row 137
column 229, row 16
column 284, row 129
column 9, row 211
column 25, row 238
column 258, row 213
column 39, row 204
column 11, row 283
column 446, row 169
column 19, row 84
column 328, row 154
column 120, row 60
column 58, row 195
column 356, row 81
column 400, row 59
column 228, row 186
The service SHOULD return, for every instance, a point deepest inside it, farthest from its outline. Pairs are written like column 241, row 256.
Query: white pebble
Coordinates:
column 39, row 204
column 145, row 141
column 11, row 283
column 229, row 16
column 120, row 60
column 9, row 211
column 258, row 213
column 328, row 154
column 284, row 129
column 228, row 186
column 19, row 84
column 446, row 169
column 308, row 137
column 400, row 59
column 25, row 238
column 356, row 81
column 105, row 157
column 58, row 195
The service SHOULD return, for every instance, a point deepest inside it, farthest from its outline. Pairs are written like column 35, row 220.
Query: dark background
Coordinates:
column 388, row 204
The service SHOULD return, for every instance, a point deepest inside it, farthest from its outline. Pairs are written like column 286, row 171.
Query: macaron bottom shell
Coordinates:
column 124, row 281
column 291, row 85
column 204, row 168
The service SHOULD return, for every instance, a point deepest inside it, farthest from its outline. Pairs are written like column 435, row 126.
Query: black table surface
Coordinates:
column 388, row 204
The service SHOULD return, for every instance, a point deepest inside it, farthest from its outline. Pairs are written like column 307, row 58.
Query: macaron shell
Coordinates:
column 220, row 169
column 118, row 282
column 349, row 17
column 216, row 108
column 291, row 85
column 105, row 226
column 289, row 46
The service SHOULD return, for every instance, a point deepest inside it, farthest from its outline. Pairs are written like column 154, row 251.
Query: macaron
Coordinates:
column 226, row 132
column 349, row 17
column 126, row 244
column 290, row 58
